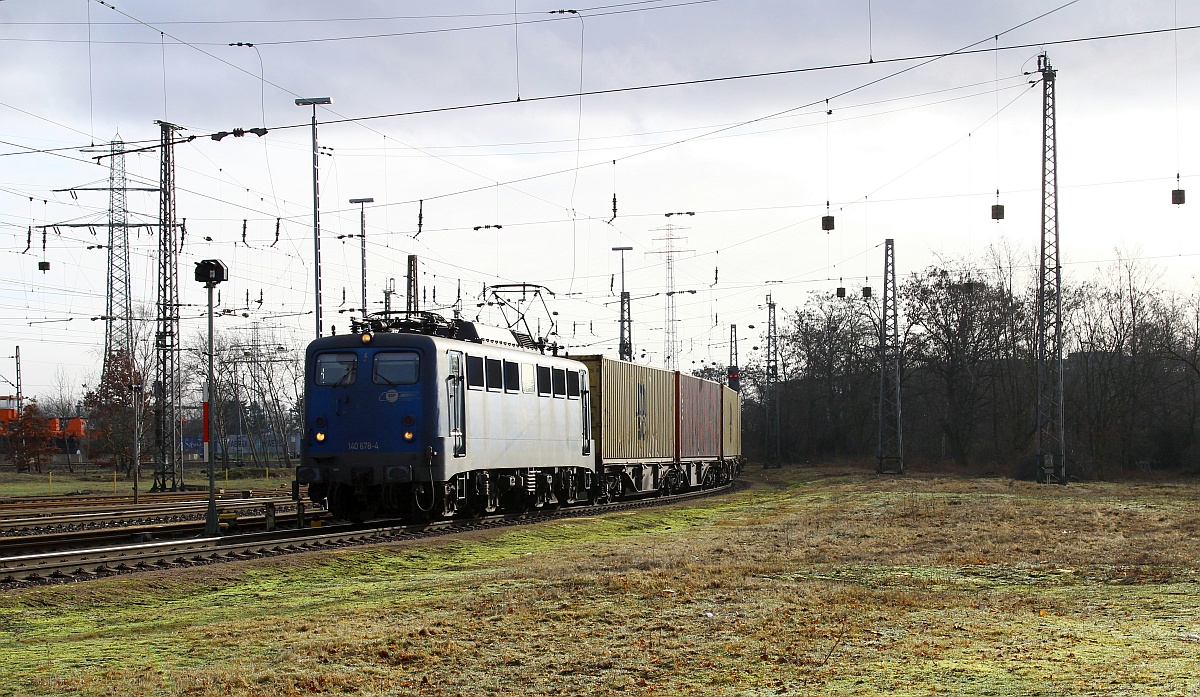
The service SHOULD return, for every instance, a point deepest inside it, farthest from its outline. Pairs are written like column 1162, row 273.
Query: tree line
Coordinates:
column 1131, row 352
column 968, row 377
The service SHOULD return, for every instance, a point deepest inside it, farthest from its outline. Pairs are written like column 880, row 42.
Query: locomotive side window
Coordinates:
column 528, row 381
column 396, row 368
column 512, row 376
column 572, row 384
column 336, row 368
column 543, row 381
column 475, row 372
column 560, row 382
column 495, row 374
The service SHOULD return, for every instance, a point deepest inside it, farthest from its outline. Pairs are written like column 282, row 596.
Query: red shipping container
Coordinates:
column 699, row 416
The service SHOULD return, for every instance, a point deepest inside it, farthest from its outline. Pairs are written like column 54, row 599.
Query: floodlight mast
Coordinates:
column 313, row 102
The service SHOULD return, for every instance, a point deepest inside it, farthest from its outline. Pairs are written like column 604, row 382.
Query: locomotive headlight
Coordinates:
column 366, row 337
column 320, row 437
column 408, row 435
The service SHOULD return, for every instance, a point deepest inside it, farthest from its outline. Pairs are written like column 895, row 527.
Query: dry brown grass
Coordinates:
column 814, row 581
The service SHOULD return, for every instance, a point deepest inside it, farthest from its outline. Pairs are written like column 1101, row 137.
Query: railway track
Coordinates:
column 95, row 537
column 18, row 503
column 68, row 566
column 31, row 521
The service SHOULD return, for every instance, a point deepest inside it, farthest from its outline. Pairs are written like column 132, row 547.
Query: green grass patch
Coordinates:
column 811, row 582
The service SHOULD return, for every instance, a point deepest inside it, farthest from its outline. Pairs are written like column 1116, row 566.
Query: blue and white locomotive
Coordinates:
column 423, row 418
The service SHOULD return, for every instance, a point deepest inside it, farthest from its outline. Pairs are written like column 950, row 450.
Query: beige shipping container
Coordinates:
column 731, row 423
column 633, row 409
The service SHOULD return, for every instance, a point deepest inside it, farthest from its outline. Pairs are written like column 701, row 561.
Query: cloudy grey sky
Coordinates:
column 913, row 150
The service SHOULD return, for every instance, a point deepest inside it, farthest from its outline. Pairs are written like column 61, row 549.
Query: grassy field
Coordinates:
column 811, row 582
column 95, row 481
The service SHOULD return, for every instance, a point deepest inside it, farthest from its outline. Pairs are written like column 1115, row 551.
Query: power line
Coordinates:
column 323, row 20
column 330, row 39
column 927, row 58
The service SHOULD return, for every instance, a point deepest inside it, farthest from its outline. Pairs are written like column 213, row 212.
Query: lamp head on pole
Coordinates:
column 362, row 200
column 210, row 272
column 313, row 101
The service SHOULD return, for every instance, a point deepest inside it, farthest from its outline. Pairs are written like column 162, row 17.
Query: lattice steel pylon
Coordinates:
column 118, row 326
column 1051, row 441
column 771, row 394
column 168, row 463
column 890, row 453
column 671, row 326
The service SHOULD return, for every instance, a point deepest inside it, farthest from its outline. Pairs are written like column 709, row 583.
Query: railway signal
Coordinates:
column 210, row 272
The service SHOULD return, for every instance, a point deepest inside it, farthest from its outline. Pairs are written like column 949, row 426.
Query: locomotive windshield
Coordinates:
column 396, row 368
column 336, row 368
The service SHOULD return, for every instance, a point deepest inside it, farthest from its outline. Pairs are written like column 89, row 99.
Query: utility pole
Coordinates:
column 625, row 347
column 413, row 302
column 363, row 235
column 17, row 356
column 733, row 374
column 771, row 398
column 136, row 390
column 168, row 474
column 891, row 443
column 1051, row 441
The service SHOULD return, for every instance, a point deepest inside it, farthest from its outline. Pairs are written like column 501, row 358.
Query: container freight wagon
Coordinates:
column 656, row 430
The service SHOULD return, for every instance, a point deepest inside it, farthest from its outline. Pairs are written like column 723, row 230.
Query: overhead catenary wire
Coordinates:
column 423, row 199
column 594, row 12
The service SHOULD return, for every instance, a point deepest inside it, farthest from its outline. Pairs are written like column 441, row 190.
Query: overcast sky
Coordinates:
column 913, row 150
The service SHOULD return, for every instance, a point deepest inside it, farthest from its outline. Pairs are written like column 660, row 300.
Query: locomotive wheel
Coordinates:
column 340, row 501
column 447, row 505
column 317, row 493
column 516, row 501
column 482, row 498
column 479, row 505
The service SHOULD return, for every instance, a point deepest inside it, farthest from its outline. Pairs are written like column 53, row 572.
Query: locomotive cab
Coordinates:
column 366, row 425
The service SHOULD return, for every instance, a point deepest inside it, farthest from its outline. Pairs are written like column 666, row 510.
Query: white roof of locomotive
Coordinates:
column 486, row 334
